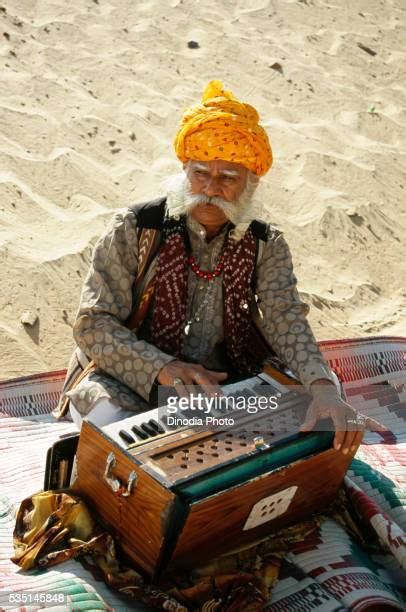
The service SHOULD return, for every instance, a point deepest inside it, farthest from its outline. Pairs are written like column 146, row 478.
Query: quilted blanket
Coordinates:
column 327, row 571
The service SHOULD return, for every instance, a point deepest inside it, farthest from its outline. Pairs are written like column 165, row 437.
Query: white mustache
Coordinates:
column 229, row 209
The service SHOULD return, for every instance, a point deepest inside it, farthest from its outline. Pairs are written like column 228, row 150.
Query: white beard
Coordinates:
column 181, row 200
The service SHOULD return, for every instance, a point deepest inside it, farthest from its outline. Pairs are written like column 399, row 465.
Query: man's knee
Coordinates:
column 103, row 412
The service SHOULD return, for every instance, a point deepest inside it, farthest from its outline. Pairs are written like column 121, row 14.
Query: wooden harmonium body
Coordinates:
column 177, row 496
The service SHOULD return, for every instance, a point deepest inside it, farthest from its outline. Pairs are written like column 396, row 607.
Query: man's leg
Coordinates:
column 103, row 412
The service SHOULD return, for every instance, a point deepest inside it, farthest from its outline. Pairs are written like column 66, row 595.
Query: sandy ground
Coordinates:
column 90, row 95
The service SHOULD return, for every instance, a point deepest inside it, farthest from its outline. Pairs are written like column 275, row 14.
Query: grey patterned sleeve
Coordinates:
column 284, row 322
column 106, row 303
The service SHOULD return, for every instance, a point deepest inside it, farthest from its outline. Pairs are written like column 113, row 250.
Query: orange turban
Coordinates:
column 221, row 127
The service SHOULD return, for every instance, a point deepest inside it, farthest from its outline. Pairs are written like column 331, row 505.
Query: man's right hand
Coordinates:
column 179, row 373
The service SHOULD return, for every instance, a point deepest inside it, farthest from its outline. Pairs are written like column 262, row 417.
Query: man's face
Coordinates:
column 215, row 178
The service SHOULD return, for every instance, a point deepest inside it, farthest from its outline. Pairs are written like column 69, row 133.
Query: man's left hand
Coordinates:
column 349, row 424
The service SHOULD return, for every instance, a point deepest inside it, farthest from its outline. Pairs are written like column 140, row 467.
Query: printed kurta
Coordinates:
column 128, row 363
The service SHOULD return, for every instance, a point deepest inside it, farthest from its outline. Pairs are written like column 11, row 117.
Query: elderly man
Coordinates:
column 175, row 285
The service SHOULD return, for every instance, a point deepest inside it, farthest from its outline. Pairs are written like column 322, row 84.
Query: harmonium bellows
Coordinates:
column 176, row 495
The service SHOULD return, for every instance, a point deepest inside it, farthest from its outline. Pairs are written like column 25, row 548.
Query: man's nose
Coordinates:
column 213, row 188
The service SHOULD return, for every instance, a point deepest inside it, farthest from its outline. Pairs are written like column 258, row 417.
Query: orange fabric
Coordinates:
column 222, row 127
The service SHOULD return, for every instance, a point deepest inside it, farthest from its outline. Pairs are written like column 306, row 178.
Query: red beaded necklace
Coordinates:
column 206, row 274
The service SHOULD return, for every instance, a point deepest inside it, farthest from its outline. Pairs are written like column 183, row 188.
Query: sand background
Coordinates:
column 90, row 95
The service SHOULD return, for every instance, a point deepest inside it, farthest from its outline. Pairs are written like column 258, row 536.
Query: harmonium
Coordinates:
column 176, row 495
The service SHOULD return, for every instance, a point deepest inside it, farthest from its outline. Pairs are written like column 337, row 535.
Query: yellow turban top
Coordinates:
column 222, row 127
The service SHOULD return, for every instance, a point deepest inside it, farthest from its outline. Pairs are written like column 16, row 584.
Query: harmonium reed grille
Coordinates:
column 188, row 456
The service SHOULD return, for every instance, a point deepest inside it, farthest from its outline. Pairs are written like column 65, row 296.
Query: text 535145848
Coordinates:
column 36, row 597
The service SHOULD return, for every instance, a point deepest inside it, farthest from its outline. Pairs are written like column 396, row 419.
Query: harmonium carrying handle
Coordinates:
column 116, row 486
